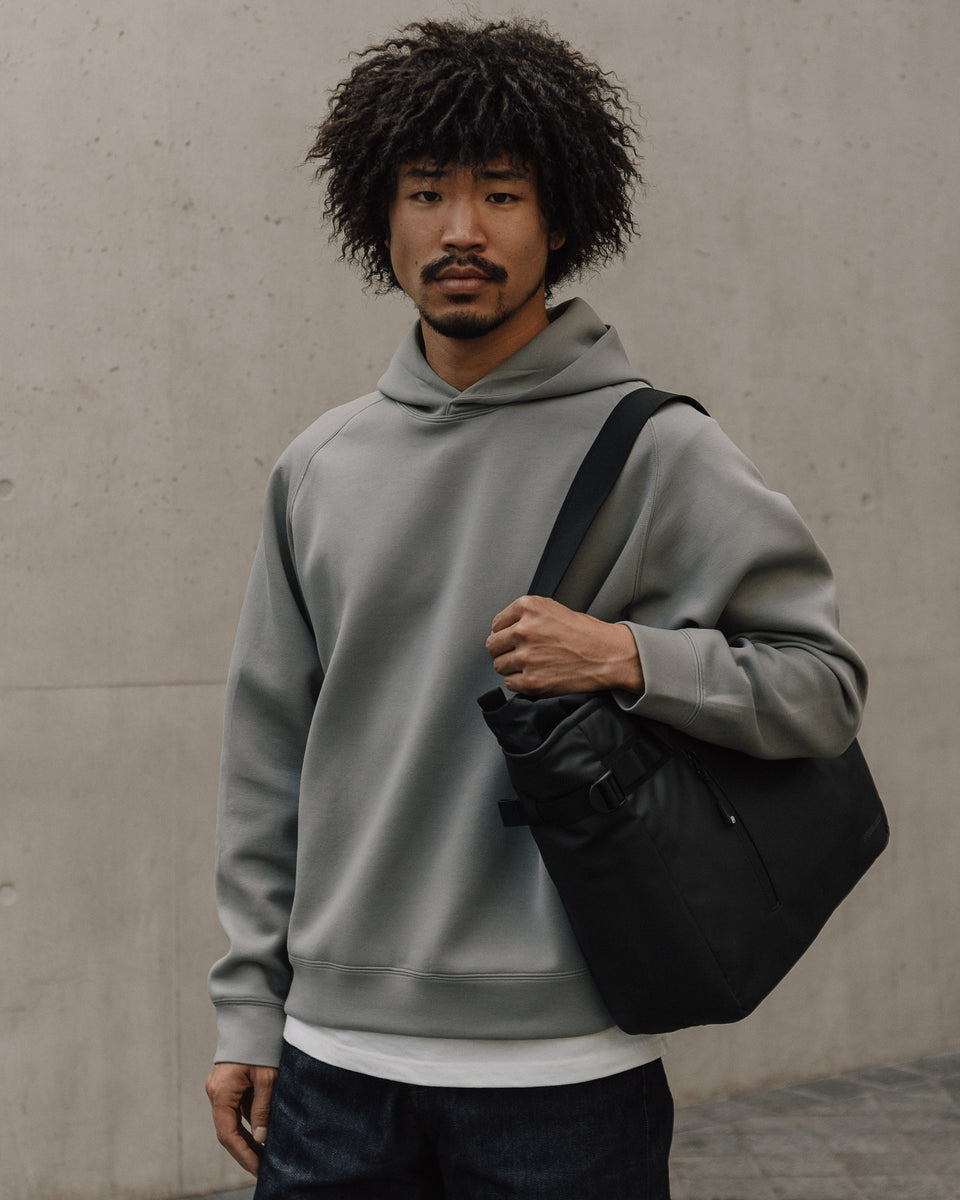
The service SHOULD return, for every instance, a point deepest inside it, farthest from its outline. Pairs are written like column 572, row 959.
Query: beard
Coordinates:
column 465, row 324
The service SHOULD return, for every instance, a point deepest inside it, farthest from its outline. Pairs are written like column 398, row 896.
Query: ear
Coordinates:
column 556, row 240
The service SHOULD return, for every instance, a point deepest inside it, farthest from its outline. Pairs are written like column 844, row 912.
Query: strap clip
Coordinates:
column 606, row 795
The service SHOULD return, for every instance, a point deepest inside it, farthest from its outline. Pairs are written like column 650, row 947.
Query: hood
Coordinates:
column 575, row 353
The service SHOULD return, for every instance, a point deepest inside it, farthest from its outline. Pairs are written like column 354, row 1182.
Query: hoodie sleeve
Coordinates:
column 272, row 686
column 736, row 618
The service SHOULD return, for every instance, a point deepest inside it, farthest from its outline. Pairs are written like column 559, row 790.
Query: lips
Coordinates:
column 460, row 282
column 462, row 273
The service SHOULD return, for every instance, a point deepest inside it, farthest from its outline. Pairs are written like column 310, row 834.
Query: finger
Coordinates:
column 501, row 643
column 260, row 1107
column 524, row 684
column 504, row 667
column 509, row 615
column 232, row 1136
column 512, row 660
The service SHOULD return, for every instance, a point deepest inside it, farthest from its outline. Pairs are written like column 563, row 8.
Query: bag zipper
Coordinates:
column 732, row 818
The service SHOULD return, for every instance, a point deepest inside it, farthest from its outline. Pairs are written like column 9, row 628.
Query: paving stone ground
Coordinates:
column 887, row 1133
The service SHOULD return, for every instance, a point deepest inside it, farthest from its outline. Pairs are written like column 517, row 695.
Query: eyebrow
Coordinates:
column 503, row 174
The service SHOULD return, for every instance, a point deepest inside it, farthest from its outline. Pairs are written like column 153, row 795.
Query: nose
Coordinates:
column 463, row 229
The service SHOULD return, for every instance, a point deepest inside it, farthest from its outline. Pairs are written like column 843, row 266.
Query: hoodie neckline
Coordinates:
column 576, row 353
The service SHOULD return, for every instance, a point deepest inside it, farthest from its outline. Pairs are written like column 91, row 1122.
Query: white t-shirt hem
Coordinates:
column 463, row 1062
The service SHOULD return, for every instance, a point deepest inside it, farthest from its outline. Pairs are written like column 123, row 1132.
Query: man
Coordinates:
column 399, row 953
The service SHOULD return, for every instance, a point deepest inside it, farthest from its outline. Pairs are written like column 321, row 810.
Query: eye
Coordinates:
column 426, row 197
column 501, row 198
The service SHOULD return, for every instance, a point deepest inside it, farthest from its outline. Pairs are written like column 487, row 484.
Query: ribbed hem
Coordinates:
column 452, row 1006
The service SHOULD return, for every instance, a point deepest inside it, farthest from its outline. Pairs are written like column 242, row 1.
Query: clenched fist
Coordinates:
column 542, row 648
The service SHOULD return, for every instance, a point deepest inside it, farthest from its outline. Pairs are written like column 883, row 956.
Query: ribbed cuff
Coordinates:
column 249, row 1033
column 672, row 677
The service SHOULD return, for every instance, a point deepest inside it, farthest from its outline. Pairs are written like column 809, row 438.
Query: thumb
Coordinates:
column 260, row 1104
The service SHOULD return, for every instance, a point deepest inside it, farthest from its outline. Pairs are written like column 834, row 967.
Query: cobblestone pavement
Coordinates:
column 241, row 1194
column 887, row 1133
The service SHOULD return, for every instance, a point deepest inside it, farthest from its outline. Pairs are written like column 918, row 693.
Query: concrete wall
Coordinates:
column 172, row 316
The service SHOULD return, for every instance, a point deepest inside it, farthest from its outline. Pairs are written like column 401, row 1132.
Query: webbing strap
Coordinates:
column 627, row 767
column 594, row 481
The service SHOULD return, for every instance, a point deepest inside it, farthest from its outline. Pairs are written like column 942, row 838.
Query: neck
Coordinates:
column 462, row 362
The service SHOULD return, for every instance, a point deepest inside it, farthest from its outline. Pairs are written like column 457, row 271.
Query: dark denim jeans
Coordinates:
column 335, row 1133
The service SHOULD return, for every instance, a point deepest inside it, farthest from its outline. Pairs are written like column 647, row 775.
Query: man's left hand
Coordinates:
column 542, row 648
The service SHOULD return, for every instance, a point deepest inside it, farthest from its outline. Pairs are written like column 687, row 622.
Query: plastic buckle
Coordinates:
column 606, row 795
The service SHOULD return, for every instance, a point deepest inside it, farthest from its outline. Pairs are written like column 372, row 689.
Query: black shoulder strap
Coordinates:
column 594, row 481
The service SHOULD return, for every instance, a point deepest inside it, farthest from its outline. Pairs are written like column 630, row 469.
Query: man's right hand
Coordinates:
column 236, row 1092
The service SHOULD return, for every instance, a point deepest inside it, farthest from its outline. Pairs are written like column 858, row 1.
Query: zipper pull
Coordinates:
column 723, row 804
column 726, row 808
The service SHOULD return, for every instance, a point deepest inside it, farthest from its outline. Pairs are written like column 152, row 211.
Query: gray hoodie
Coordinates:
column 364, row 878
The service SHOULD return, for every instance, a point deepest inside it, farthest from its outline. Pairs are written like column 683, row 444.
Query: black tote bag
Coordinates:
column 694, row 876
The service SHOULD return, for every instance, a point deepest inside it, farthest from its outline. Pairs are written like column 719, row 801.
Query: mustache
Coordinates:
column 493, row 271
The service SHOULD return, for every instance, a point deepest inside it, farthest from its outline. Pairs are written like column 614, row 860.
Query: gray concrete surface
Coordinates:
column 171, row 316
column 889, row 1133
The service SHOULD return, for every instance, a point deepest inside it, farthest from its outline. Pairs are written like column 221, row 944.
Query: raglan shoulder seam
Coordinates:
column 375, row 398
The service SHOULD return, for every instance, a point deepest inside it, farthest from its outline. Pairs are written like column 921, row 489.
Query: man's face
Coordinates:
column 469, row 245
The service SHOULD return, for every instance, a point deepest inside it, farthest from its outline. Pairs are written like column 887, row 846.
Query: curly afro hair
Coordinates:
column 466, row 94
